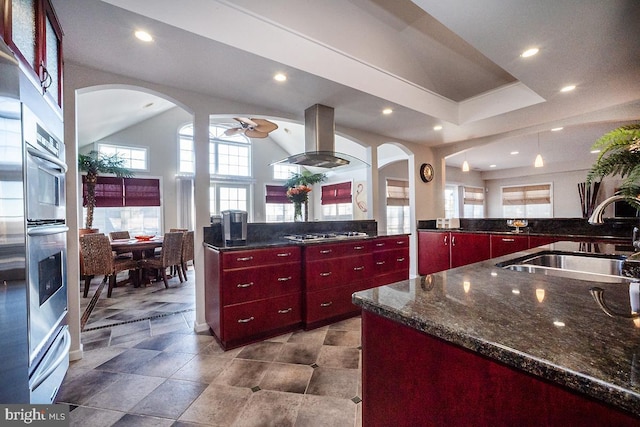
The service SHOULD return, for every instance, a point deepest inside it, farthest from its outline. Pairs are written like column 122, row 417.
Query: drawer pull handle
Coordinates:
column 325, row 251
column 400, row 242
column 358, row 268
column 247, row 258
column 288, row 310
column 284, row 279
column 380, row 263
column 246, row 320
column 357, row 248
column 508, row 240
column 244, row 285
column 328, row 273
column 400, row 259
column 379, row 245
column 285, row 254
column 326, row 304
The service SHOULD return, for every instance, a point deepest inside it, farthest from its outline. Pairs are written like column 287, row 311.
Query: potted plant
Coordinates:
column 620, row 155
column 298, row 188
column 95, row 164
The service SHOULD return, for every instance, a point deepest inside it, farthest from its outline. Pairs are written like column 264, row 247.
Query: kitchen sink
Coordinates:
column 592, row 267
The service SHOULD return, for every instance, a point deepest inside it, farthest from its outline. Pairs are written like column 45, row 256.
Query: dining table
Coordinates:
column 140, row 248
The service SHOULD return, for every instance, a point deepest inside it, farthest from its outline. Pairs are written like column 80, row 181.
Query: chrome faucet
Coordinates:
column 596, row 216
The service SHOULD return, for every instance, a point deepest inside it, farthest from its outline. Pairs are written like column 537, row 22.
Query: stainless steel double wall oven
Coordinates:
column 34, row 334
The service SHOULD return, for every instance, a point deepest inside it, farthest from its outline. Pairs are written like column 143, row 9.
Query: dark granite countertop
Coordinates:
column 564, row 338
column 530, row 233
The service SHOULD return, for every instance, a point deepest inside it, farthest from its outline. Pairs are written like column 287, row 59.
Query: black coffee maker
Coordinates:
column 234, row 227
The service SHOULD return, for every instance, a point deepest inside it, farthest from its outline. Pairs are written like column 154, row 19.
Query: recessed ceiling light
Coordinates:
column 529, row 52
column 568, row 88
column 492, row 166
column 144, row 36
column 148, row 105
column 437, row 127
column 513, row 153
column 556, row 129
column 280, row 77
column 387, row 111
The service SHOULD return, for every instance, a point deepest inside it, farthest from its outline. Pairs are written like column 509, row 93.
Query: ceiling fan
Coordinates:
column 253, row 128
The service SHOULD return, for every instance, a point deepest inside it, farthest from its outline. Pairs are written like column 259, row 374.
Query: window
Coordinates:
column 337, row 202
column 225, row 196
column 473, row 202
column 527, row 201
column 451, row 201
column 397, row 206
column 278, row 207
column 284, row 172
column 133, row 158
column 187, row 156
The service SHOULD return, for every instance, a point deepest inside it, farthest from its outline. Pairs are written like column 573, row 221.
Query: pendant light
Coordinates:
column 465, row 166
column 538, row 163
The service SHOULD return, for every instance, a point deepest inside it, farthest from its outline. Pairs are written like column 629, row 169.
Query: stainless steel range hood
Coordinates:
column 319, row 142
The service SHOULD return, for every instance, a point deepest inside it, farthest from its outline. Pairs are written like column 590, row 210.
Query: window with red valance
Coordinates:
column 336, row 193
column 276, row 194
column 113, row 192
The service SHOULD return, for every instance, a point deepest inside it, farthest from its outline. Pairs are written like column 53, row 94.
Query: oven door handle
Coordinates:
column 46, row 231
column 60, row 356
column 48, row 157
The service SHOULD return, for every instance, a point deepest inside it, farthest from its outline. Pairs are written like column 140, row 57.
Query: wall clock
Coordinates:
column 426, row 172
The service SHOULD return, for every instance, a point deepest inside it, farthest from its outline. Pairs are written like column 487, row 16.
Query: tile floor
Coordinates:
column 144, row 366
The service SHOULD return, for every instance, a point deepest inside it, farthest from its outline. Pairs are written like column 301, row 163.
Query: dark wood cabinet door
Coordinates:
column 248, row 284
column 433, row 252
column 502, row 244
column 329, row 303
column 257, row 257
column 467, row 248
column 535, row 241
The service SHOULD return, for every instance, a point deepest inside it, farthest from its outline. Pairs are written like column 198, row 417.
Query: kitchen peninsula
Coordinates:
column 483, row 345
column 296, row 275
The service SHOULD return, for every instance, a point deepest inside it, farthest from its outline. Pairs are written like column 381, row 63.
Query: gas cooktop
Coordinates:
column 325, row 236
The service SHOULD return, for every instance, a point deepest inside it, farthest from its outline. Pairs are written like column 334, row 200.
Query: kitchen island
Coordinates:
column 481, row 345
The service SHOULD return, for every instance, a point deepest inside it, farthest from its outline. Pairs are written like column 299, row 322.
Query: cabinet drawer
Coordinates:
column 258, row 317
column 247, row 284
column 252, row 258
column 328, row 303
column 335, row 250
column 338, row 272
column 390, row 243
column 392, row 260
column 502, row 244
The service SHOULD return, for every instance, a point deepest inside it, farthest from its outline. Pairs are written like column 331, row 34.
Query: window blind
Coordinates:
column 473, row 196
column 336, row 193
column 141, row 192
column 539, row 194
column 276, row 194
column 108, row 194
column 397, row 192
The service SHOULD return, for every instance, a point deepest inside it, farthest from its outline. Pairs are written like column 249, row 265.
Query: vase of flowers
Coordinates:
column 298, row 189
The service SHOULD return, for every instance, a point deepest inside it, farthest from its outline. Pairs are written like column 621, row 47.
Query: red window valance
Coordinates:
column 336, row 193
column 276, row 194
column 141, row 192
column 113, row 192
column 109, row 191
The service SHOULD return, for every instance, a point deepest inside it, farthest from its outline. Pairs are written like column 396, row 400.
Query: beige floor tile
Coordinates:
column 266, row 351
column 287, row 377
column 170, row 399
column 270, row 408
column 315, row 336
column 351, row 324
column 300, row 353
column 342, row 383
column 94, row 417
column 217, row 405
column 243, row 373
column 125, row 393
column 339, row 357
column 324, row 411
column 342, row 338
column 202, row 368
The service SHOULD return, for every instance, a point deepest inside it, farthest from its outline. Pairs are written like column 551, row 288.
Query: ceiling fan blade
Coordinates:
column 246, row 122
column 251, row 133
column 233, row 131
column 263, row 125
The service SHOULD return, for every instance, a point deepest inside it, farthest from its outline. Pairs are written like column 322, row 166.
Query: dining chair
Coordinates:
column 98, row 259
column 170, row 256
column 117, row 235
column 187, row 252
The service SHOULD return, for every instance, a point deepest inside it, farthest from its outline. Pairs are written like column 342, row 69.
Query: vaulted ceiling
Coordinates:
column 455, row 64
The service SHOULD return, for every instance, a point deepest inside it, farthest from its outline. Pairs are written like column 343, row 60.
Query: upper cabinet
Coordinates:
column 32, row 31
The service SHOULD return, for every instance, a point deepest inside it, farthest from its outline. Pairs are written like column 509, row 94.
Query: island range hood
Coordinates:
column 319, row 142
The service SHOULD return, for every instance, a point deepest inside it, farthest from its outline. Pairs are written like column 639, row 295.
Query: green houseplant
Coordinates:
column 298, row 188
column 619, row 155
column 95, row 164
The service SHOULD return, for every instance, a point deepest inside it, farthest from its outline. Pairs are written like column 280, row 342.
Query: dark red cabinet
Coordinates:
column 391, row 259
column 467, row 248
column 433, row 252
column 503, row 244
